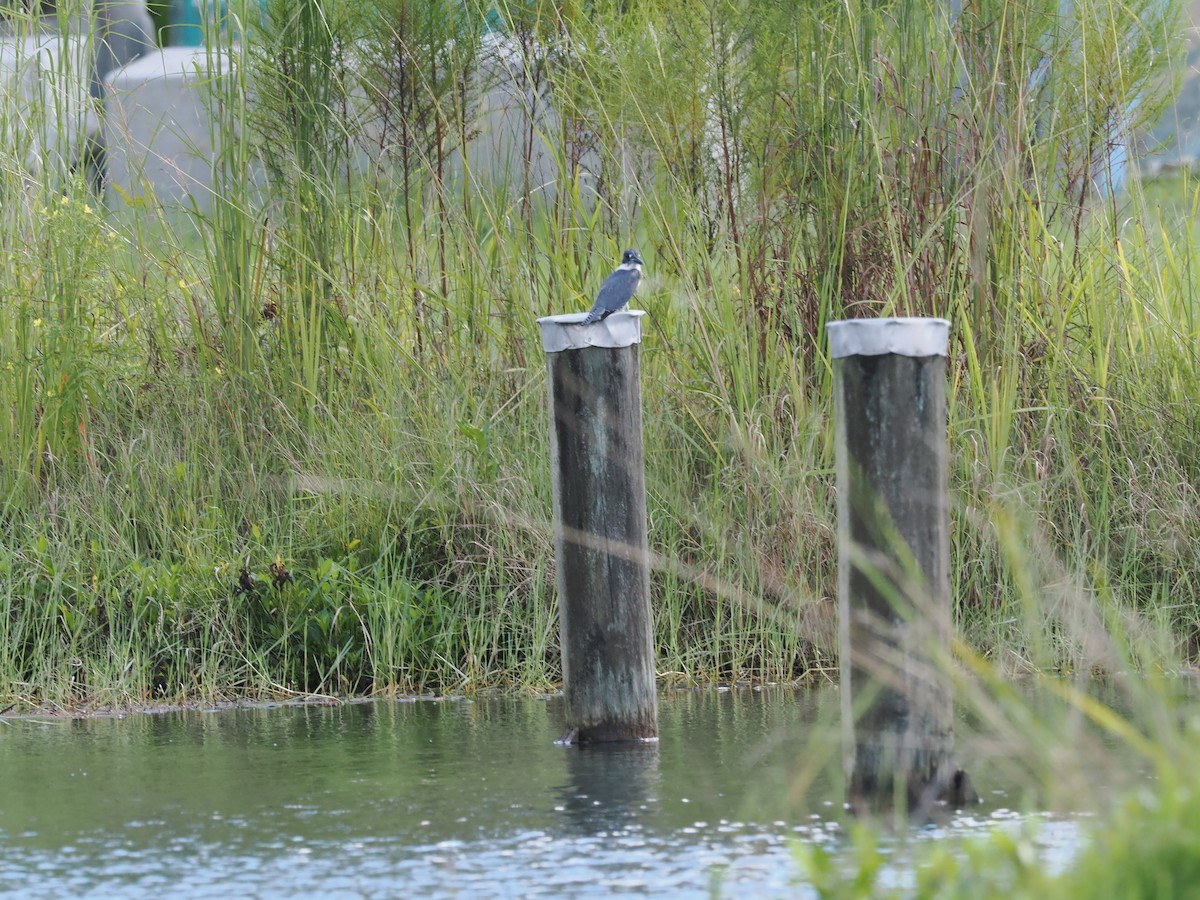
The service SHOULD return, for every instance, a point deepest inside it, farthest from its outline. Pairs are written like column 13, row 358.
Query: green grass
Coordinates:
column 1138, row 841
column 296, row 440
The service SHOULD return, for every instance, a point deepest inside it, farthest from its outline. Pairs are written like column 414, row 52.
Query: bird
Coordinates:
column 618, row 288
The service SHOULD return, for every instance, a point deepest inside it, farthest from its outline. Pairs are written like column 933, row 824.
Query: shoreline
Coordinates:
column 118, row 711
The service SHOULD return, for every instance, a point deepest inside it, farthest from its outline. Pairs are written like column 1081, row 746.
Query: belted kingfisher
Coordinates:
column 618, row 288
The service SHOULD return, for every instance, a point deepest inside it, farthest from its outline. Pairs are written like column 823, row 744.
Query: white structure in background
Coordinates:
column 47, row 113
column 161, row 140
column 123, row 32
column 51, row 84
column 505, row 141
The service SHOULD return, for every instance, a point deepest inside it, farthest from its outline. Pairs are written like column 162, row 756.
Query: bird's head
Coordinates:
column 631, row 258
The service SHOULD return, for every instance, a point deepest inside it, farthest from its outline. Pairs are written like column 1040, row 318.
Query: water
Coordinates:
column 459, row 798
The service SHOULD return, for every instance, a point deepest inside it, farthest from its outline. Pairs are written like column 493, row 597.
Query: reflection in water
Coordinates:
column 609, row 787
column 449, row 798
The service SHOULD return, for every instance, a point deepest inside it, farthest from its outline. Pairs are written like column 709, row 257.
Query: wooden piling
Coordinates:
column 601, row 543
column 893, row 567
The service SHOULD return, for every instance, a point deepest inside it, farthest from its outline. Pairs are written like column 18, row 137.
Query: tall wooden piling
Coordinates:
column 893, row 566
column 601, row 541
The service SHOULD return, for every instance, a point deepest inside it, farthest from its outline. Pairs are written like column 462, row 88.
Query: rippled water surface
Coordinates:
column 458, row 798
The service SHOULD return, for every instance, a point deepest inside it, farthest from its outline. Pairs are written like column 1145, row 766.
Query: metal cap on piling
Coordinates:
column 903, row 335
column 563, row 332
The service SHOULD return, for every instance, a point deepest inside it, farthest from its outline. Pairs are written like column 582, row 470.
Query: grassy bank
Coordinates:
column 296, row 440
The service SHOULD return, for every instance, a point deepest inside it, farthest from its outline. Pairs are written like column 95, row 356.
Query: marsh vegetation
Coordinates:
column 296, row 439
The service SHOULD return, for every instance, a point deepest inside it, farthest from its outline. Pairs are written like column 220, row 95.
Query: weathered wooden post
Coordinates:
column 601, row 543
column 893, row 561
